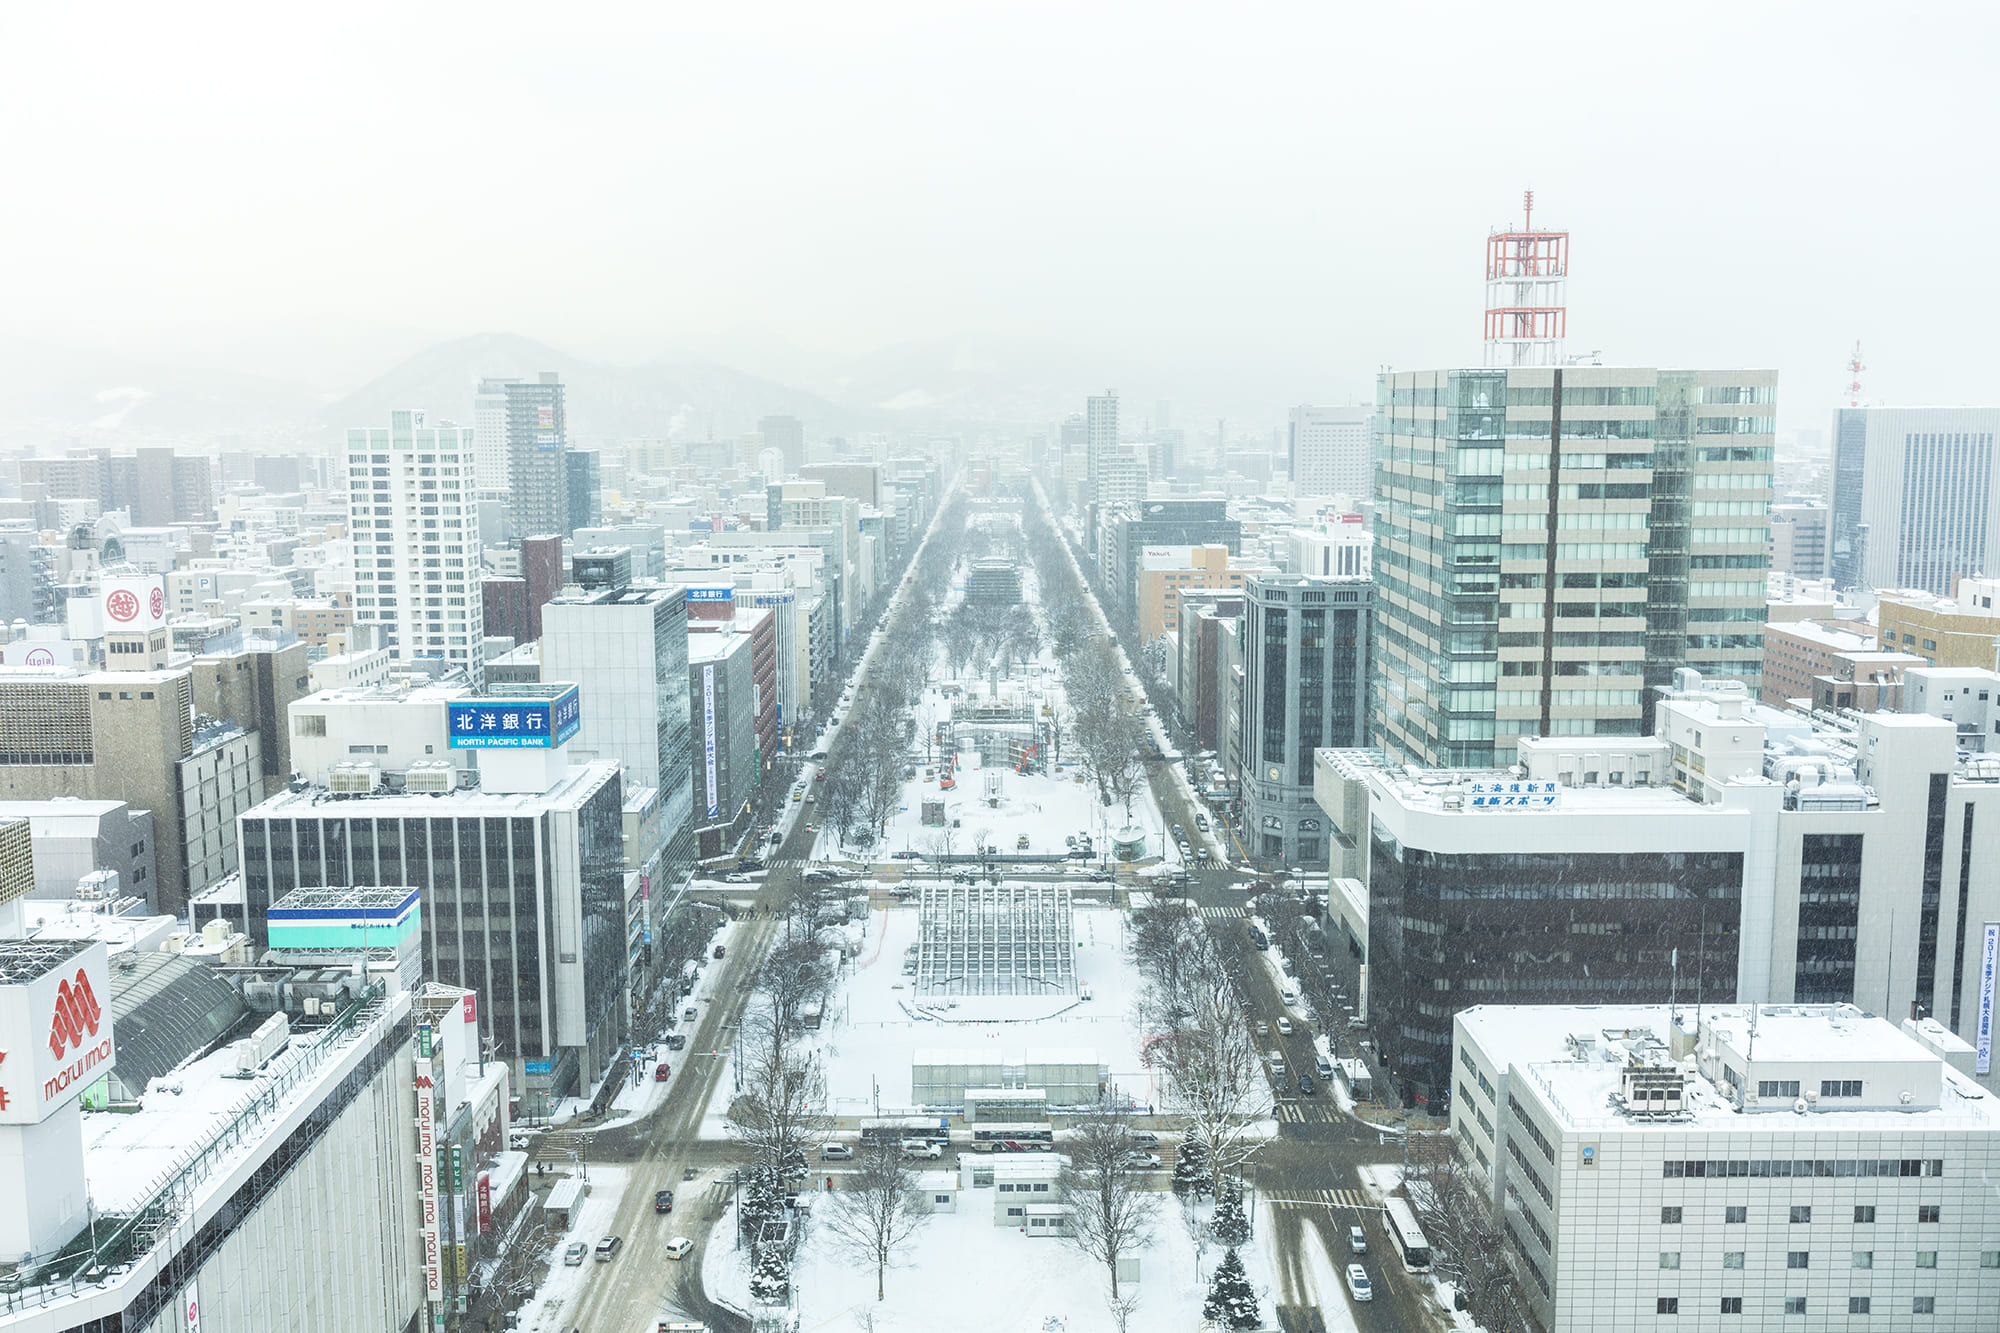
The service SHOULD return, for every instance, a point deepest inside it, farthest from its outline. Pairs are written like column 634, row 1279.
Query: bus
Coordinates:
column 1400, row 1221
column 1013, row 1138
column 896, row 1129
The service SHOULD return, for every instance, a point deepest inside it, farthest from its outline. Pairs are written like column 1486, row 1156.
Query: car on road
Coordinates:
column 797, row 796
column 1142, row 1161
column 575, row 1254
column 1357, row 1283
column 677, row 1041
column 690, row 1014
column 1144, row 1138
column 1289, row 995
column 1185, row 852
column 663, row 1072
column 777, row 838
column 922, row 1148
column 1277, row 1059
column 719, row 951
column 1201, row 822
column 905, row 855
column 820, row 774
column 837, row 1152
column 1259, row 938
column 607, row 1249
column 1306, row 1085
column 1100, row 877
column 1180, row 834
column 1263, row 1028
column 663, row 1201
column 680, row 1247
column 1284, row 1026
column 1357, row 1243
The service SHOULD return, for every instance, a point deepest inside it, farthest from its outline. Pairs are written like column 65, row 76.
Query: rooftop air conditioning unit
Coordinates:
column 353, row 779
column 430, row 777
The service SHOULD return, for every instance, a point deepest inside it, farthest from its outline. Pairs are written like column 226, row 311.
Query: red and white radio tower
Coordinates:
column 1854, row 369
column 1526, row 271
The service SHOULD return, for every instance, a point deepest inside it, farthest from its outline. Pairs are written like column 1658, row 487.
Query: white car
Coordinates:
column 680, row 1247
column 1284, row 1025
column 1142, row 1161
column 1358, row 1285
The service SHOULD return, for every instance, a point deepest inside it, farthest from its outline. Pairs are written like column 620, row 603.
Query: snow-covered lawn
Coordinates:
column 964, row 1273
column 874, row 1027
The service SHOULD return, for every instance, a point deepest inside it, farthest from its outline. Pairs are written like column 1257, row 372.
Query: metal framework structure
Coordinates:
column 1526, row 312
column 995, row 939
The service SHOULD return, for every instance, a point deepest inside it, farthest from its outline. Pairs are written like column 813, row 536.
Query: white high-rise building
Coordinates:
column 416, row 549
column 489, row 436
column 1330, row 451
column 1914, row 499
column 1100, row 439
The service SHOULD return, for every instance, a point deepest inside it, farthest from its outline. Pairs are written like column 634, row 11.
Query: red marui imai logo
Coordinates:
column 74, row 1028
column 122, row 604
column 156, row 602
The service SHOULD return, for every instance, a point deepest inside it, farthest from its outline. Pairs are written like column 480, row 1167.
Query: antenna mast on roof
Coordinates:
column 1854, row 369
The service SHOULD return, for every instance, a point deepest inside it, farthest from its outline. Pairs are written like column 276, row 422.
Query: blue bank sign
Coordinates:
column 514, row 724
column 712, row 594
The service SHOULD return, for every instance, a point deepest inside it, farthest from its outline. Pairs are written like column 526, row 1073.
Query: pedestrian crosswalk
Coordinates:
column 1224, row 913
column 1305, row 1113
column 1297, row 1198
column 788, row 862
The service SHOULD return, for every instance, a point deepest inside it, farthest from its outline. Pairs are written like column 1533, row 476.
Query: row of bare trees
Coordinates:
column 1198, row 1040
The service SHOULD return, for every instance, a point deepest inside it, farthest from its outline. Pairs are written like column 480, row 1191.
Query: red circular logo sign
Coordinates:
column 122, row 605
column 157, row 603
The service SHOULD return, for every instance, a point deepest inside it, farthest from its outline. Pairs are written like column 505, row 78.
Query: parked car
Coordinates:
column 1357, row 1283
column 1180, row 834
column 820, row 774
column 662, row 1072
column 777, row 838
column 689, row 1014
column 1357, row 1243
column 905, row 855
column 1144, row 1138
column 680, row 1247
column 575, row 1254
column 837, row 1152
column 663, row 1201
column 1259, row 938
column 677, row 1041
column 1100, row 877
column 607, row 1249
column 1142, row 1161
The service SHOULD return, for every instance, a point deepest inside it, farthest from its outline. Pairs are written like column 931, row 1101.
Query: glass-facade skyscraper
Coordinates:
column 1552, row 542
column 1914, row 500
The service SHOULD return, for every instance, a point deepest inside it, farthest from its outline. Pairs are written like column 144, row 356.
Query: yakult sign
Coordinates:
column 55, row 1029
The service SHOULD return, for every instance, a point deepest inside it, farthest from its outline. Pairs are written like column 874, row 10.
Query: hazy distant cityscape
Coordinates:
column 749, row 673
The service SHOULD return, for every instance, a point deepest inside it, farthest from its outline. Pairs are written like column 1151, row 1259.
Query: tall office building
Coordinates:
column 788, row 436
column 416, row 554
column 585, row 486
column 1914, row 500
column 537, row 440
column 1798, row 540
column 1330, row 451
column 489, row 435
column 1305, row 685
column 1100, row 438
column 626, row 650
column 1551, row 543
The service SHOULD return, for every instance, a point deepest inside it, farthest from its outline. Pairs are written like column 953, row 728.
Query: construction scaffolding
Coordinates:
column 995, row 939
column 999, row 729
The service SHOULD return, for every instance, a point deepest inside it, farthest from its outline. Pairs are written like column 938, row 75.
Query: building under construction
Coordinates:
column 995, row 939
column 1004, row 730
column 993, row 583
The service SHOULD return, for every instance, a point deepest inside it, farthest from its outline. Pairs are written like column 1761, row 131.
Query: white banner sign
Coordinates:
column 708, row 740
column 1989, row 960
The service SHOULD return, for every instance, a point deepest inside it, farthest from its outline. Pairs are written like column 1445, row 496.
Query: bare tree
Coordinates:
column 879, row 1212
column 1111, row 1215
column 1202, row 1044
column 1467, row 1247
column 794, row 974
column 779, row 1111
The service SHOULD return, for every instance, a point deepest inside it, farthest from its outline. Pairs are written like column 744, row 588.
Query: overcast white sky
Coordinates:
column 1287, row 195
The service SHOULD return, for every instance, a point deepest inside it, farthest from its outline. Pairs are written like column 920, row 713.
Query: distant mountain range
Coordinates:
column 58, row 394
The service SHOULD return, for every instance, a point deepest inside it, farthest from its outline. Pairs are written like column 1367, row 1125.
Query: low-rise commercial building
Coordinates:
column 1732, row 1166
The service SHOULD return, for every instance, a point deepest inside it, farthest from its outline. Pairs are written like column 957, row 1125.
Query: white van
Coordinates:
column 1324, row 1068
column 680, row 1247
column 1277, row 1059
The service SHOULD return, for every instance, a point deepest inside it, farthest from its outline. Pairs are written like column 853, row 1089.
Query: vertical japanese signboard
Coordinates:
column 708, row 737
column 427, row 1170
column 1989, row 961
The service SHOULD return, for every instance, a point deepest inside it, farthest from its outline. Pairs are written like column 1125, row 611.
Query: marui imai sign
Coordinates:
column 55, row 1037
